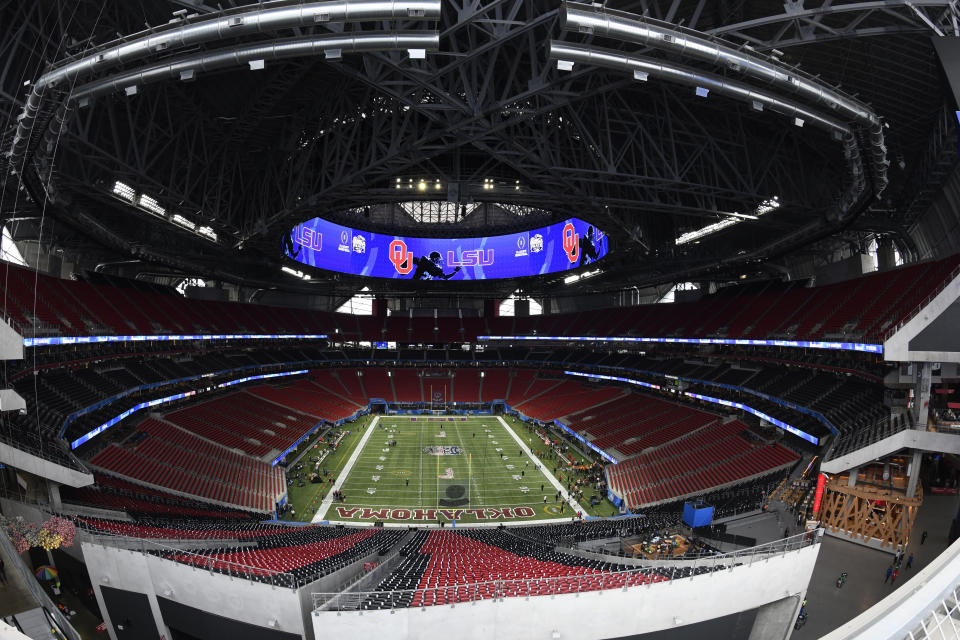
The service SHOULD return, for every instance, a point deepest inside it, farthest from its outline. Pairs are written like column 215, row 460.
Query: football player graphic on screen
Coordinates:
column 288, row 245
column 588, row 252
column 430, row 268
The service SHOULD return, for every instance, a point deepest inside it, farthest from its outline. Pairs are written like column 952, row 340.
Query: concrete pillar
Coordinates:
column 914, row 471
column 53, row 493
column 775, row 621
column 921, row 394
column 852, row 480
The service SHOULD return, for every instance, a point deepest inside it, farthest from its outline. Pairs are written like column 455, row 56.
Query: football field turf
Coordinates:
column 425, row 469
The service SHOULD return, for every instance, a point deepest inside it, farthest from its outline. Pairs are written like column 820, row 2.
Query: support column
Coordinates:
column 775, row 621
column 914, row 472
column 53, row 494
column 852, row 480
column 921, row 394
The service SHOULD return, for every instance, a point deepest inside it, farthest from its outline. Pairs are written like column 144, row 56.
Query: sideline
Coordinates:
column 543, row 469
column 328, row 500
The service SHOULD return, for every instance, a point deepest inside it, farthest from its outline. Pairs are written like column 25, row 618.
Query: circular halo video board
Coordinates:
column 563, row 246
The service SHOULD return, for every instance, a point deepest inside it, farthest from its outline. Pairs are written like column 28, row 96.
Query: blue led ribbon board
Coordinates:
column 66, row 340
column 727, row 403
column 152, row 403
column 800, row 344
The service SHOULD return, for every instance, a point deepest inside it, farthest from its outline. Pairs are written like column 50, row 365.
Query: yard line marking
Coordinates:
column 543, row 468
column 470, row 482
column 327, row 501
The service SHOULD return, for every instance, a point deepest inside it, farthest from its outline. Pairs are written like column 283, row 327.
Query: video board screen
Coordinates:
column 559, row 247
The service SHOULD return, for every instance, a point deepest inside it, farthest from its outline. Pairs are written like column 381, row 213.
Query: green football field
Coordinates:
column 427, row 469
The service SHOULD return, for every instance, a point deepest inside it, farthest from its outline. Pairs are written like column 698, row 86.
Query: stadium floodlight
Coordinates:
column 208, row 233
column 124, row 191
column 564, row 65
column 580, row 276
column 768, row 205
column 702, row 92
column 149, row 204
column 179, row 220
column 292, row 272
column 696, row 234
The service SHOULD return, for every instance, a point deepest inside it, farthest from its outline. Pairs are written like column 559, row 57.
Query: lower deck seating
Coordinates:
column 715, row 456
column 444, row 567
column 163, row 455
column 260, row 551
column 119, row 495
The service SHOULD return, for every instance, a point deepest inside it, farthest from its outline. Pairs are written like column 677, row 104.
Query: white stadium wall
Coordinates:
column 596, row 615
column 255, row 603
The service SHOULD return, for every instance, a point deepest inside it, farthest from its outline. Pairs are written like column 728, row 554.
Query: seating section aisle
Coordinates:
column 162, row 455
column 119, row 495
column 494, row 385
column 446, row 567
column 527, row 385
column 712, row 457
column 306, row 398
column 407, row 385
column 635, row 422
column 567, row 398
column 376, row 383
column 246, row 422
column 344, row 383
column 260, row 551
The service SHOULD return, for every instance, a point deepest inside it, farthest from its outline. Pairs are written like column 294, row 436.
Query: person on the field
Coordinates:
column 431, row 269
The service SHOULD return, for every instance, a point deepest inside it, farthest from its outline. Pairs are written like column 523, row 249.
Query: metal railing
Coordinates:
column 197, row 560
column 943, row 621
column 43, row 600
column 525, row 587
column 865, row 436
column 916, row 309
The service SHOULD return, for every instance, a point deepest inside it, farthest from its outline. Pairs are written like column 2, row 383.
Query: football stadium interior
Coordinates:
column 521, row 319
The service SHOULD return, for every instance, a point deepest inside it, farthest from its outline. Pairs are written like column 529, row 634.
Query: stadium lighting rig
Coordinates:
column 771, row 204
column 580, row 276
column 295, row 272
column 145, row 202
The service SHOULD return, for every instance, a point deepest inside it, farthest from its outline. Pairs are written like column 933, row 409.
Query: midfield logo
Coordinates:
column 443, row 451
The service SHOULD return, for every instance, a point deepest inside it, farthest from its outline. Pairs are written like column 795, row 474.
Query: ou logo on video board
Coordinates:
column 400, row 257
column 571, row 243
